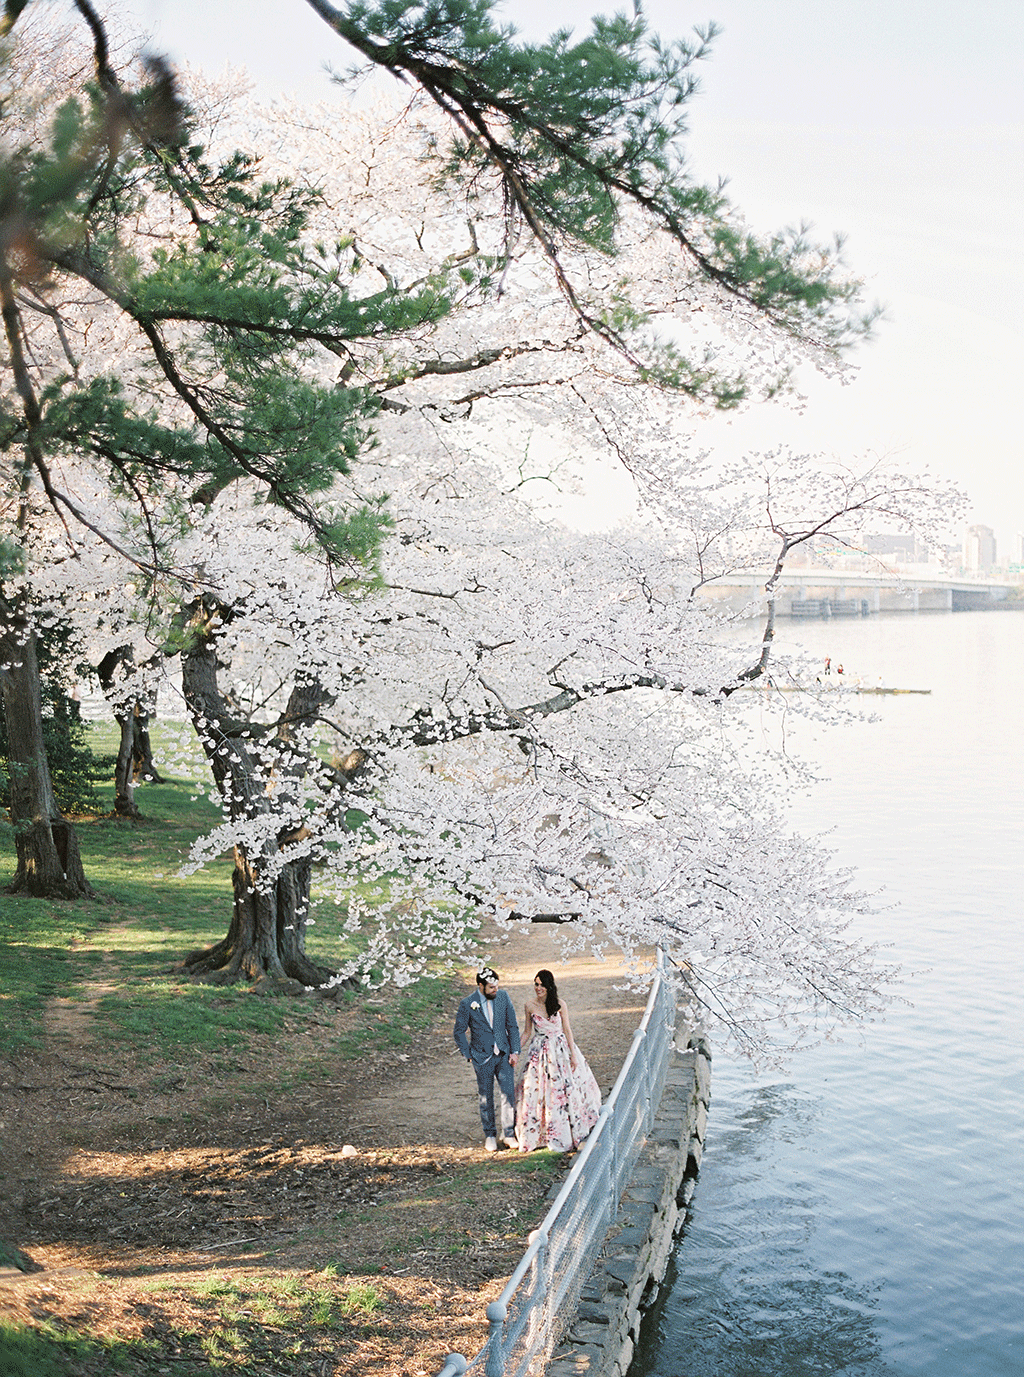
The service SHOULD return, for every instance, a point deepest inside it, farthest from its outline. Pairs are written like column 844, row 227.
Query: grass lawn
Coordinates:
column 146, row 919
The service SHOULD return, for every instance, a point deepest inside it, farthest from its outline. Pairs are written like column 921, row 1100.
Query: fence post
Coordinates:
column 643, row 1056
column 668, row 995
column 540, row 1302
column 454, row 1366
column 494, row 1363
column 649, row 1063
column 606, row 1127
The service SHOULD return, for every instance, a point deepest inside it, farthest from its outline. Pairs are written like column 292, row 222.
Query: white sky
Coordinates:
column 898, row 122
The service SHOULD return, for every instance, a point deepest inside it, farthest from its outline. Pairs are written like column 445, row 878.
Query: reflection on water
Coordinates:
column 863, row 1212
column 781, row 1328
column 776, row 1107
column 755, row 1307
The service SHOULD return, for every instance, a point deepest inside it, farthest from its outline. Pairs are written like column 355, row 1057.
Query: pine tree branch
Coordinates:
column 471, row 103
column 79, row 264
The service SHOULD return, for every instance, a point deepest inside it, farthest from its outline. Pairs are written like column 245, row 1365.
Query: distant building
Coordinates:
column 903, row 548
column 979, row 549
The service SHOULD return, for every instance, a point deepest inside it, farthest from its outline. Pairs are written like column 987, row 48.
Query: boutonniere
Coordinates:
column 475, row 1004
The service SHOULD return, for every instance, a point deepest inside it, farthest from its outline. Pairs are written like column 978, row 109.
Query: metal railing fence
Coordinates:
column 542, row 1294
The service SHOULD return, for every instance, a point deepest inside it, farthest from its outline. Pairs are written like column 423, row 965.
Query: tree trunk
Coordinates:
column 267, row 935
column 134, row 755
column 49, row 861
column 142, row 749
column 124, row 774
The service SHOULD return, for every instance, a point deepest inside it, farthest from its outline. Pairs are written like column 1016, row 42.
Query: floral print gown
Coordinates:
column 556, row 1107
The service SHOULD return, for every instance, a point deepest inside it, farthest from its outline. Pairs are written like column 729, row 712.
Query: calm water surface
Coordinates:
column 861, row 1212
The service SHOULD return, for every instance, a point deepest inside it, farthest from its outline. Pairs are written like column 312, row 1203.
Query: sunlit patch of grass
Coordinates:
column 216, row 1288
column 244, row 1309
column 321, row 1307
column 171, row 1017
column 249, row 1324
column 268, row 1312
column 517, row 1163
column 360, row 1298
column 392, row 1018
column 288, row 1286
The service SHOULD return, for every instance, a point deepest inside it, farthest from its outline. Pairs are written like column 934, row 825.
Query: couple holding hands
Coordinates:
column 557, row 1100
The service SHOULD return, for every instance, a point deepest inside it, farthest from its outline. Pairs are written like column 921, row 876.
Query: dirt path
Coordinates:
column 169, row 1207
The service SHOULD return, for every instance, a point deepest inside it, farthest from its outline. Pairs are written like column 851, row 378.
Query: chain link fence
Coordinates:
column 542, row 1294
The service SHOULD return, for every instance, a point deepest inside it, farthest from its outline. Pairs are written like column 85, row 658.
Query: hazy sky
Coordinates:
column 898, row 122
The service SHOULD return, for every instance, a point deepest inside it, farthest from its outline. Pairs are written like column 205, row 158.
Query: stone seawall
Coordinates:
column 602, row 1336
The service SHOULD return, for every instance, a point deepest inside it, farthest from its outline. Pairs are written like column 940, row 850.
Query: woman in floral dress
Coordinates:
column 557, row 1099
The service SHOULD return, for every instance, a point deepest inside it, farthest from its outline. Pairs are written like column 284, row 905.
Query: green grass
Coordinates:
column 145, row 916
column 360, row 1298
column 50, row 1351
column 394, row 1023
column 247, row 1326
column 440, row 1238
column 140, row 923
column 36, row 948
column 520, row 1164
column 281, row 1302
column 146, row 919
column 172, row 1018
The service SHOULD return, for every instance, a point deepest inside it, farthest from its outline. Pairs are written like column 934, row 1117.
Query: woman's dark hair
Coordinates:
column 552, row 1003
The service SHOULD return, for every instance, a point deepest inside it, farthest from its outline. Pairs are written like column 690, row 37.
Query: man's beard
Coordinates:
column 490, row 996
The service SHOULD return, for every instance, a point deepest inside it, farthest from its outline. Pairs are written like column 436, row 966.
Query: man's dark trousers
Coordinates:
column 498, row 1069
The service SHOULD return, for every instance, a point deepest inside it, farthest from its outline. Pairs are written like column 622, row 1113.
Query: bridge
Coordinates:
column 810, row 592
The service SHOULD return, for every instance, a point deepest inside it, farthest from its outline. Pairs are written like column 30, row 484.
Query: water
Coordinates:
column 861, row 1213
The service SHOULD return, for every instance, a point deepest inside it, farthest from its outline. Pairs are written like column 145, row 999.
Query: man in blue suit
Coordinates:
column 487, row 1035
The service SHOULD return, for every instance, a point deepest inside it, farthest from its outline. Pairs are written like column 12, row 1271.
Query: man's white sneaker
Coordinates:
column 510, row 1143
column 490, row 1145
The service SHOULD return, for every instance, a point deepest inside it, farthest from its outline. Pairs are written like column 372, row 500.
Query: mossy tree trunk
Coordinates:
column 267, row 934
column 143, row 767
column 49, row 860
column 134, row 752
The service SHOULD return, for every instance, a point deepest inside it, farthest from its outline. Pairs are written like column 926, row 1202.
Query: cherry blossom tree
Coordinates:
column 286, row 417
column 532, row 724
